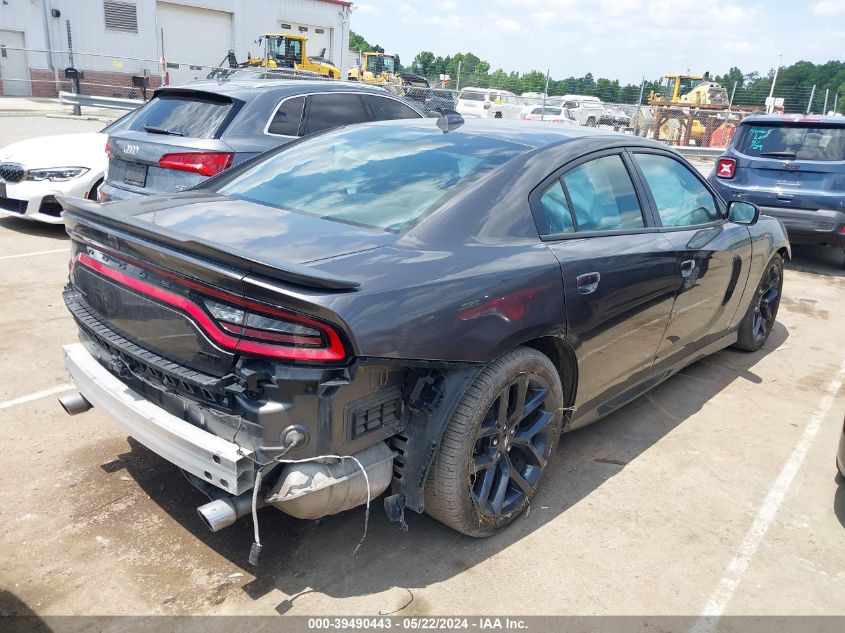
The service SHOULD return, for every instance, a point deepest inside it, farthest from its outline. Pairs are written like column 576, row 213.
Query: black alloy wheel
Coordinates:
column 512, row 446
column 498, row 443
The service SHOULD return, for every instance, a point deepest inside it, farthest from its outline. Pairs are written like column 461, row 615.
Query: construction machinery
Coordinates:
column 690, row 109
column 282, row 52
column 689, row 89
column 381, row 68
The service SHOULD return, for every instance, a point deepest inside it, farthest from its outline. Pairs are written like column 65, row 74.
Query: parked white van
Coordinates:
column 488, row 103
column 586, row 110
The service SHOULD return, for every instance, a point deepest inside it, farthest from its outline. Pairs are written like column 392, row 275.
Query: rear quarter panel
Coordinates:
column 471, row 304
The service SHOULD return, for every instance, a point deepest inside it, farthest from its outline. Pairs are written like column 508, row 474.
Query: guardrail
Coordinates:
column 92, row 101
column 700, row 152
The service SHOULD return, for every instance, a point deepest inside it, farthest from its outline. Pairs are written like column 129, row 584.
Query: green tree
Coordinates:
column 358, row 43
column 423, row 63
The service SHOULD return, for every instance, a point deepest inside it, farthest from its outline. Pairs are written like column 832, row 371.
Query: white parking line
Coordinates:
column 766, row 514
column 59, row 250
column 35, row 396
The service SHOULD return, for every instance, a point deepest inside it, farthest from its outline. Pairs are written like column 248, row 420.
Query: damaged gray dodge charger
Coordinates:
column 412, row 307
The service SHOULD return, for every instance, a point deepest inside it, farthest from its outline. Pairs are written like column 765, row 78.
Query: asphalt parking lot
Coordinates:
column 714, row 493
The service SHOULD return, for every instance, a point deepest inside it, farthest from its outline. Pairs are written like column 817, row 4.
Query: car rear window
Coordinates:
column 792, row 141
column 183, row 115
column 376, row 176
column 472, row 96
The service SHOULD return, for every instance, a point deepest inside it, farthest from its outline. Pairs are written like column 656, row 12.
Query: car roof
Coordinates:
column 793, row 118
column 247, row 88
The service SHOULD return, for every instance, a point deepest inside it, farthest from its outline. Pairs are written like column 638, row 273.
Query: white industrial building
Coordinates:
column 132, row 36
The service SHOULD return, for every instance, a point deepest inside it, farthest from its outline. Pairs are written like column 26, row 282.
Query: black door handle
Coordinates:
column 588, row 282
column 687, row 267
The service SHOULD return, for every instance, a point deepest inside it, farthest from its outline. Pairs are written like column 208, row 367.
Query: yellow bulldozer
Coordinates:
column 689, row 89
column 677, row 98
column 282, row 52
column 381, row 68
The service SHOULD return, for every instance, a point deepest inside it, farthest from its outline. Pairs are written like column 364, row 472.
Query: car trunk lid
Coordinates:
column 140, row 269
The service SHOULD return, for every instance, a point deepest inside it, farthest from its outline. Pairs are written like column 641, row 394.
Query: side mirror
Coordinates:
column 743, row 212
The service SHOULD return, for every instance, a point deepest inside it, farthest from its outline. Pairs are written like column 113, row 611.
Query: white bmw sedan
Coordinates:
column 35, row 171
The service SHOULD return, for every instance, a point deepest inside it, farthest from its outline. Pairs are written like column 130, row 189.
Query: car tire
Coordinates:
column 591, row 122
column 465, row 488
column 759, row 319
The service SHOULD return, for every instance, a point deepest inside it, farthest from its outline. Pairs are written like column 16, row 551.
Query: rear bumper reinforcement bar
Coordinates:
column 211, row 458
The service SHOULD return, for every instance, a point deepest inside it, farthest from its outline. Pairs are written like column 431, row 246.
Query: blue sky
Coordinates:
column 623, row 39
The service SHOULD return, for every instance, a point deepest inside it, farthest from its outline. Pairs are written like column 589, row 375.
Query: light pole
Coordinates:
column 545, row 94
column 771, row 107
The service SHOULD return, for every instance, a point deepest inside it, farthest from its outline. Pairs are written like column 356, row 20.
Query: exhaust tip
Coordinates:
column 74, row 403
column 218, row 514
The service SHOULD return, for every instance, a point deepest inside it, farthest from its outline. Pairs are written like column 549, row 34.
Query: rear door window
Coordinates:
column 192, row 116
column 603, row 195
column 793, row 141
column 329, row 110
column 386, row 109
column 680, row 197
column 557, row 216
column 287, row 118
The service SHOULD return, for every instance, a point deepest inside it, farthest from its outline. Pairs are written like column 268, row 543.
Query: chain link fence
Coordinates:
column 98, row 74
column 688, row 125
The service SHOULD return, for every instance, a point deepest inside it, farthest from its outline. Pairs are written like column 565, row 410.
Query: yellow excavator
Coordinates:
column 380, row 68
column 282, row 52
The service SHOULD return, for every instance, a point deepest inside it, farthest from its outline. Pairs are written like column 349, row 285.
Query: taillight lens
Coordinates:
column 265, row 328
column 726, row 168
column 204, row 163
column 239, row 324
column 108, row 149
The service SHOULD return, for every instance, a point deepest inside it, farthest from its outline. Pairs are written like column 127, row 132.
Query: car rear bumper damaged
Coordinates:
column 211, row 458
column 224, row 471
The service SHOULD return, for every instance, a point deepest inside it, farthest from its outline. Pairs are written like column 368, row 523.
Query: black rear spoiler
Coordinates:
column 97, row 217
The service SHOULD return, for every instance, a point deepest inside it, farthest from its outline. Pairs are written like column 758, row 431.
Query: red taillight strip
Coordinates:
column 279, row 337
column 334, row 352
column 213, row 292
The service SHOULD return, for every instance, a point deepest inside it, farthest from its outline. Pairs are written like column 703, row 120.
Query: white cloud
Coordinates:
column 407, row 9
column 364, row 7
column 827, row 8
column 451, row 22
column 447, row 5
column 508, row 25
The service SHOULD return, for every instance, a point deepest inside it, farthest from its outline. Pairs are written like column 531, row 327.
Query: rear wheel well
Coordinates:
column 563, row 357
column 784, row 253
column 92, row 193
